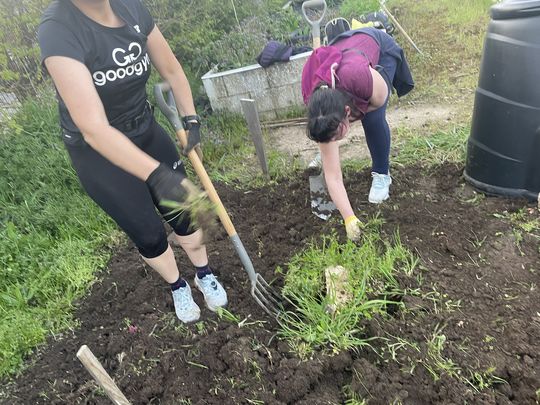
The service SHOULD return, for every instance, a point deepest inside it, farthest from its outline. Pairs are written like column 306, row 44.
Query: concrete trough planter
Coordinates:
column 275, row 89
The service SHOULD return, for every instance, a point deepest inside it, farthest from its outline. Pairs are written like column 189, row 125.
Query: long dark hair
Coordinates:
column 326, row 110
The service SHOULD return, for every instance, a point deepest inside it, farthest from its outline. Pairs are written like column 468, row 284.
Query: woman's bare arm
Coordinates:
column 334, row 178
column 74, row 84
column 171, row 71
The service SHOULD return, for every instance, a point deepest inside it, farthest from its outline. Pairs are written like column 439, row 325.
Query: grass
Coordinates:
column 229, row 153
column 434, row 149
column 426, row 148
column 482, row 380
column 53, row 236
column 372, row 285
column 523, row 221
column 202, row 212
column 452, row 47
column 435, row 362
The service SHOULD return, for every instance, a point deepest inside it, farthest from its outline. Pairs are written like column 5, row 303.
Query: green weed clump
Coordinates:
column 51, row 234
column 373, row 265
column 436, row 148
column 355, row 8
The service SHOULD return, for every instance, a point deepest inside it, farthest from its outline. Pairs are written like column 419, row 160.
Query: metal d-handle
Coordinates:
column 167, row 107
column 314, row 5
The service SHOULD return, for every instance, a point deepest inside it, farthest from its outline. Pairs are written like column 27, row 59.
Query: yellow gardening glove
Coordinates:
column 355, row 24
column 353, row 227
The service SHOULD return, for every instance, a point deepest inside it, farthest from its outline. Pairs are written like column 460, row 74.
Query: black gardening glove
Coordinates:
column 192, row 123
column 168, row 186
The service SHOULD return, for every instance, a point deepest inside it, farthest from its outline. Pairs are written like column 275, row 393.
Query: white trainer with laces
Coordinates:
column 186, row 309
column 380, row 188
column 214, row 293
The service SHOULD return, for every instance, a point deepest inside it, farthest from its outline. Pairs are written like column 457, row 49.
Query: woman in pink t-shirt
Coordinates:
column 350, row 80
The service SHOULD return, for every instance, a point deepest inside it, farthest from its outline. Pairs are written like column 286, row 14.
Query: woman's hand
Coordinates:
column 193, row 125
column 166, row 186
column 354, row 227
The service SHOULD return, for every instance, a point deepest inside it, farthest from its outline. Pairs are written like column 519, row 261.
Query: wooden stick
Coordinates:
column 285, row 121
column 207, row 184
column 94, row 367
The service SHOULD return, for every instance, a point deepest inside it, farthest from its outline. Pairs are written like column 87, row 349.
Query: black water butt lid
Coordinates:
column 515, row 9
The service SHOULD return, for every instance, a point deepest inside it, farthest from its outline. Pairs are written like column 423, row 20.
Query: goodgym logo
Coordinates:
column 122, row 58
column 128, row 62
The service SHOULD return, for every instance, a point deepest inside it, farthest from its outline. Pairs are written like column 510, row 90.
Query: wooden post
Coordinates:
column 254, row 125
column 94, row 367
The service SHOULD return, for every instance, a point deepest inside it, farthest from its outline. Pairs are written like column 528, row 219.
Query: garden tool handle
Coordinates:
column 315, row 24
column 170, row 111
column 94, row 367
column 400, row 28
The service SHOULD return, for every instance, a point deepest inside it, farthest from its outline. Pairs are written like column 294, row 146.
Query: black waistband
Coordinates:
column 134, row 122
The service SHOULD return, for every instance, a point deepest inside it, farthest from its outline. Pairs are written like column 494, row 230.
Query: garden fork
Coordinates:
column 262, row 292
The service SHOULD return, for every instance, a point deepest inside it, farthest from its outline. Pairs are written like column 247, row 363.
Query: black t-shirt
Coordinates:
column 117, row 58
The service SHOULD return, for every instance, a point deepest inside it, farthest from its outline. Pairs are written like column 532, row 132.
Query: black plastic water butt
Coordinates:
column 503, row 151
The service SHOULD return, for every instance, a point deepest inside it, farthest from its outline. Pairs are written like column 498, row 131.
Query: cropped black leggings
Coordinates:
column 124, row 197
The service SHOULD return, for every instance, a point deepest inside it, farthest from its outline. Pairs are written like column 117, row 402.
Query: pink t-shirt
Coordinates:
column 359, row 52
column 353, row 56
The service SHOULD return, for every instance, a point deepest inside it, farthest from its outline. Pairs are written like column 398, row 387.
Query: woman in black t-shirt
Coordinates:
column 98, row 53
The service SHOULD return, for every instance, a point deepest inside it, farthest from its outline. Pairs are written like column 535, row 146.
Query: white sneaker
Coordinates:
column 186, row 309
column 214, row 293
column 380, row 188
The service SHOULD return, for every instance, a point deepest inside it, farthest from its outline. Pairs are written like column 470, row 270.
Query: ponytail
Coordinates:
column 326, row 110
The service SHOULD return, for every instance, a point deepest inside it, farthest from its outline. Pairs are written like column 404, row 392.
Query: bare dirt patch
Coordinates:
column 478, row 301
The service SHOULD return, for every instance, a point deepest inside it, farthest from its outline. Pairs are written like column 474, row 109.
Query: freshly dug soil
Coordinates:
column 474, row 296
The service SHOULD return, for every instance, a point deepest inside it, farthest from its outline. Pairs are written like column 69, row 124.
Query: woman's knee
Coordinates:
column 182, row 224
column 152, row 244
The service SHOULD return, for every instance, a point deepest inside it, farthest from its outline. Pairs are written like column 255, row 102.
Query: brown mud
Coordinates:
column 476, row 299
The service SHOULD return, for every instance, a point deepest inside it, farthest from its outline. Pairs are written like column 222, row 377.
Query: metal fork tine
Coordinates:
column 269, row 290
column 268, row 304
column 266, row 301
column 265, row 298
column 268, row 308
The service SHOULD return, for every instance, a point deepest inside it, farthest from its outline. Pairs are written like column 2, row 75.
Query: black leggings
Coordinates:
column 124, row 197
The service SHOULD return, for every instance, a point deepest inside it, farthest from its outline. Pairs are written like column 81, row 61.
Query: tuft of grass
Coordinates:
column 53, row 238
column 202, row 212
column 355, row 400
column 435, row 363
column 372, row 265
column 433, row 149
column 524, row 220
column 355, row 8
column 440, row 144
column 465, row 15
column 482, row 380
column 225, row 314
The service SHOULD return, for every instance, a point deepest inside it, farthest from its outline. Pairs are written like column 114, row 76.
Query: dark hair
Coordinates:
column 326, row 110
